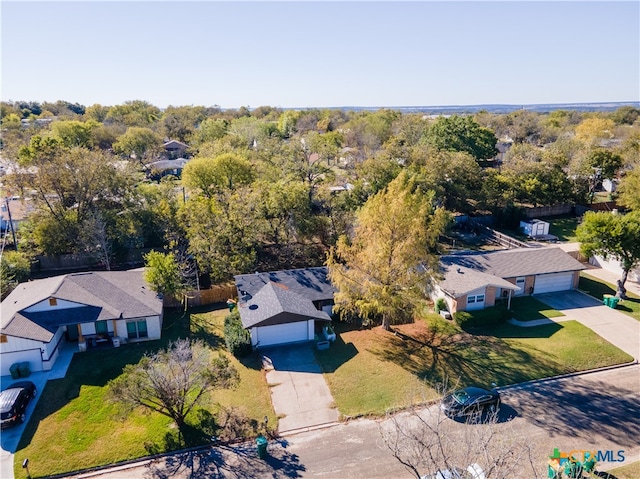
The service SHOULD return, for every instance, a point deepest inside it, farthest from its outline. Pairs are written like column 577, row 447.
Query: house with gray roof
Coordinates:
column 288, row 306
column 91, row 309
column 475, row 280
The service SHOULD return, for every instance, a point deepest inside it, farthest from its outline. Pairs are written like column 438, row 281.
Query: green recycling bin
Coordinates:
column 613, row 302
column 261, row 443
column 606, row 299
column 15, row 371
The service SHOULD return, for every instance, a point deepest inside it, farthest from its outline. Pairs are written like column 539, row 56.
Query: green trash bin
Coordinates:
column 24, row 369
column 14, row 370
column 606, row 299
column 261, row 443
column 613, row 302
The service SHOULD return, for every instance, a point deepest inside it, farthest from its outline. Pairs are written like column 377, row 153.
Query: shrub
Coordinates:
column 484, row 317
column 441, row 305
column 237, row 338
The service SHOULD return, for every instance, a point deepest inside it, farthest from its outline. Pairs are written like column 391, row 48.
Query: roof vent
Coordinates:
column 253, row 307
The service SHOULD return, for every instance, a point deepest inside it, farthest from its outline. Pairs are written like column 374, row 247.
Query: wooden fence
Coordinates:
column 218, row 293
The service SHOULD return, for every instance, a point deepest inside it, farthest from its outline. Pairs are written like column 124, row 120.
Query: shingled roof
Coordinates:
column 465, row 272
column 310, row 283
column 101, row 295
column 276, row 304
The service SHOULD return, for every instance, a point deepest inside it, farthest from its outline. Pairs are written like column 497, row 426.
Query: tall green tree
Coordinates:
column 629, row 190
column 385, row 268
column 212, row 176
column 162, row 272
column 140, row 143
column 462, row 133
column 612, row 236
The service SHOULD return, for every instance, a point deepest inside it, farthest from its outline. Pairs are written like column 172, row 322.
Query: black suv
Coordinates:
column 14, row 401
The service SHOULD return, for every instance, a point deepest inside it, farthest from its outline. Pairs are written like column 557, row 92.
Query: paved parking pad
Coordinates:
column 299, row 392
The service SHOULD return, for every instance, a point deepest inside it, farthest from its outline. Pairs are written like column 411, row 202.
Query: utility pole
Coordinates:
column 13, row 231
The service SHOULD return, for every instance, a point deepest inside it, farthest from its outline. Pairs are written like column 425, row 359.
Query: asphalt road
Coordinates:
column 595, row 411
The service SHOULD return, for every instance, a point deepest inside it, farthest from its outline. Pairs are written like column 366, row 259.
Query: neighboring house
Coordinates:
column 91, row 309
column 175, row 149
column 476, row 280
column 161, row 168
column 282, row 307
column 13, row 211
column 614, row 266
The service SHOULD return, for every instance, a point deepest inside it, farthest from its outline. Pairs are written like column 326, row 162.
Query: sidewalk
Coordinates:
column 9, row 438
column 612, row 278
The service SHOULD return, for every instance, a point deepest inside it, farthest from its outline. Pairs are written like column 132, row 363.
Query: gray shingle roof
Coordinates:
column 275, row 304
column 105, row 295
column 459, row 280
column 478, row 269
column 310, row 283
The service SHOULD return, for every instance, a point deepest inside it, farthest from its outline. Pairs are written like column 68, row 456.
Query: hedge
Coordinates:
column 237, row 338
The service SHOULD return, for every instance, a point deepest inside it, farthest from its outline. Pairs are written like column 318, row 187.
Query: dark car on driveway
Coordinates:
column 470, row 400
column 14, row 401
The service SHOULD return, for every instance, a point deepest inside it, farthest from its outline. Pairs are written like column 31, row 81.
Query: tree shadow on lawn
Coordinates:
column 240, row 461
column 442, row 358
column 339, row 352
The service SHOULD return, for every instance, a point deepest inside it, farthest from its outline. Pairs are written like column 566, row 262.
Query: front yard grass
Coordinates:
column 528, row 308
column 75, row 426
column 370, row 371
column 598, row 288
column 629, row 471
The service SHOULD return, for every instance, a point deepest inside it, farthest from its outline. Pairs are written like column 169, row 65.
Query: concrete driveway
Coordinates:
column 299, row 393
column 616, row 327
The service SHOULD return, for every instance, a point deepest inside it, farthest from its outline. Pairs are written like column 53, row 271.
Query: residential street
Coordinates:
column 595, row 411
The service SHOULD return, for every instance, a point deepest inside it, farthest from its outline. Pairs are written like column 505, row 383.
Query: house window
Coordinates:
column 137, row 329
column 53, row 302
column 479, row 298
column 3, row 338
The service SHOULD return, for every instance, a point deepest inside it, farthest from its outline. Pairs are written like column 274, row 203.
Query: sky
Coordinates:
column 299, row 54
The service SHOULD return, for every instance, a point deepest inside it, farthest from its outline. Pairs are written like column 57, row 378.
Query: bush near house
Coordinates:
column 481, row 318
column 237, row 338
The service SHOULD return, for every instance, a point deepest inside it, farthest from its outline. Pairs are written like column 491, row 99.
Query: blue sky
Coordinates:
column 321, row 54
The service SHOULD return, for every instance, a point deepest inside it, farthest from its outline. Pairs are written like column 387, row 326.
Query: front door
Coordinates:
column 72, row 332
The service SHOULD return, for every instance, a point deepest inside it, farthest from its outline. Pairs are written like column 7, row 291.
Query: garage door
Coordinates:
column 548, row 283
column 282, row 333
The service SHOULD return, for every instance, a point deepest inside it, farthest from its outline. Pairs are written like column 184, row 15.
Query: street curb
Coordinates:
column 533, row 382
column 318, row 427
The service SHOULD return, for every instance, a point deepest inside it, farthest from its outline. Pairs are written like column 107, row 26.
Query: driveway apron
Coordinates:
column 618, row 328
column 299, row 392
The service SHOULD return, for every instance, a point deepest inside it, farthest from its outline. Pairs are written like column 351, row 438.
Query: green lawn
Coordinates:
column 564, row 227
column 370, row 371
column 630, row 471
column 527, row 308
column 597, row 288
column 74, row 426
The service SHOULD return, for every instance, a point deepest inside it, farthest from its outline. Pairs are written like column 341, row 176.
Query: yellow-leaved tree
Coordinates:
column 385, row 267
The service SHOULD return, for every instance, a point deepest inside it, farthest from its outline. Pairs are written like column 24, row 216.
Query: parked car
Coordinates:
column 474, row 471
column 470, row 400
column 14, row 401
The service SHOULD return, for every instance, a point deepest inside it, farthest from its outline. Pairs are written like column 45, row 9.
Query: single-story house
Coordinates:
column 288, row 306
column 161, row 168
column 90, row 309
column 474, row 280
column 175, row 149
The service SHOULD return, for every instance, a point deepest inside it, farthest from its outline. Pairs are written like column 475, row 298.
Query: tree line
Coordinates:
column 267, row 188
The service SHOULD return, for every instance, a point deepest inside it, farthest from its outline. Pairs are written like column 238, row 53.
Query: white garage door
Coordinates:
column 548, row 283
column 282, row 333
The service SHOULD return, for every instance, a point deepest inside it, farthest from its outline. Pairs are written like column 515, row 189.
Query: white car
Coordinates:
column 474, row 471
